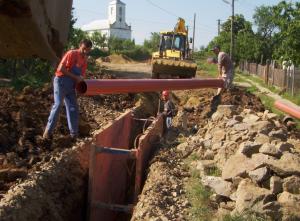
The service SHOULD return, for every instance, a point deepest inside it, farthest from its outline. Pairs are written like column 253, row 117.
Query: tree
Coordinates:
column 75, row 34
column 246, row 46
column 99, row 40
column 128, row 44
column 240, row 24
column 287, row 19
column 278, row 30
column 263, row 19
column 266, row 27
column 153, row 42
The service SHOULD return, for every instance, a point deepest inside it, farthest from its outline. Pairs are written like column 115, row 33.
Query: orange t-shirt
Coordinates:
column 73, row 58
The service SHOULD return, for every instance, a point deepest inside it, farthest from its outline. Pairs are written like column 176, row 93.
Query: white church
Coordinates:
column 115, row 25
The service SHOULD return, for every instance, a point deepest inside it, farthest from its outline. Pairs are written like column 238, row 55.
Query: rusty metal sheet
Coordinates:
column 109, row 172
column 145, row 150
column 115, row 180
column 117, row 133
column 108, row 182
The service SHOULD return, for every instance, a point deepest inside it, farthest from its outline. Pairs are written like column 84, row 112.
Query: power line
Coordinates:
column 203, row 26
column 166, row 11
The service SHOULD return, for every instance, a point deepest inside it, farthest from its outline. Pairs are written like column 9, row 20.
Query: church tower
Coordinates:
column 116, row 12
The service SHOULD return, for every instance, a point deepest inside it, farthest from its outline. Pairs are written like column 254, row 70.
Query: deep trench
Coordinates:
column 81, row 209
column 59, row 190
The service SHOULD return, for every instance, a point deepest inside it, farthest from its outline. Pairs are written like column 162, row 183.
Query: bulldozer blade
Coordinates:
column 34, row 28
column 173, row 69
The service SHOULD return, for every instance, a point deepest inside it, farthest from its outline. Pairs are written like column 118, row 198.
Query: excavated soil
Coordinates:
column 116, row 59
column 23, row 116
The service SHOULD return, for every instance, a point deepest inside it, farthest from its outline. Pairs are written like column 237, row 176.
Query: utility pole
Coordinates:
column 194, row 30
column 232, row 34
column 219, row 26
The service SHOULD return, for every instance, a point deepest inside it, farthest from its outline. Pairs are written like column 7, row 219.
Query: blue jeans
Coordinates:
column 64, row 90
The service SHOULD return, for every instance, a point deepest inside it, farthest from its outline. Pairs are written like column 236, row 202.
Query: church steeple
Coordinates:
column 116, row 12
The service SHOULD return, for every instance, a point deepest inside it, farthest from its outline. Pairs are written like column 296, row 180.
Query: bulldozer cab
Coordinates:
column 170, row 43
column 173, row 59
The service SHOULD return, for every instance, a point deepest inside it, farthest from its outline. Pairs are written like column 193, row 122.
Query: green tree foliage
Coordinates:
column 153, row 42
column 266, row 27
column 128, row 48
column 279, row 29
column 239, row 24
column 277, row 35
column 99, row 40
column 244, row 37
column 75, row 34
column 287, row 19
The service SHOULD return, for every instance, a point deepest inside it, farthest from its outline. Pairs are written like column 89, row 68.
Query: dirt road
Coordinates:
column 132, row 70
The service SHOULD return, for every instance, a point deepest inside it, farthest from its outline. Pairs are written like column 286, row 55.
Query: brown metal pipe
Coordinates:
column 292, row 110
column 96, row 87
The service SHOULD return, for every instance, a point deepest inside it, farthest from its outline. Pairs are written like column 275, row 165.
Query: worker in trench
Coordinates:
column 167, row 108
column 225, row 71
column 70, row 72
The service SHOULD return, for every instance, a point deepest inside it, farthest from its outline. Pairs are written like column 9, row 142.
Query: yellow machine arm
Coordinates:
column 180, row 26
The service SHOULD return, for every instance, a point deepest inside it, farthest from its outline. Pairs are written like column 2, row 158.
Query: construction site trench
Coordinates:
column 43, row 180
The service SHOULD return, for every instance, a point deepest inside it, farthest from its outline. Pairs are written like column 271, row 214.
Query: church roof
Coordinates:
column 96, row 25
column 116, row 2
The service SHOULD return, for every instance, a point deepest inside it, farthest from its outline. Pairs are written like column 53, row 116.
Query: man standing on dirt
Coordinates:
column 225, row 68
column 70, row 72
column 167, row 108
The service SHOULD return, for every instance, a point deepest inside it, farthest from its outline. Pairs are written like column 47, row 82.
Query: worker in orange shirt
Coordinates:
column 70, row 72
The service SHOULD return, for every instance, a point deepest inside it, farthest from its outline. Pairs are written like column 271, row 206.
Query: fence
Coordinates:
column 286, row 79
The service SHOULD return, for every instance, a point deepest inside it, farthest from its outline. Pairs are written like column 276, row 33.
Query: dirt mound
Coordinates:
column 23, row 116
column 199, row 105
column 116, row 59
column 55, row 191
column 242, row 98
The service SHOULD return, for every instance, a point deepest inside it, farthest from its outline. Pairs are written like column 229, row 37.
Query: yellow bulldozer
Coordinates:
column 173, row 60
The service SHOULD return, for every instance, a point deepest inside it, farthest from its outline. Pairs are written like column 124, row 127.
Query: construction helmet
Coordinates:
column 165, row 93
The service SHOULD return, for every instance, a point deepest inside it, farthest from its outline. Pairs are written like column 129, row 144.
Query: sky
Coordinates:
column 146, row 16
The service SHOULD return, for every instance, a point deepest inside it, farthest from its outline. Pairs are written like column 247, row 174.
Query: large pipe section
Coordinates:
column 290, row 109
column 96, row 87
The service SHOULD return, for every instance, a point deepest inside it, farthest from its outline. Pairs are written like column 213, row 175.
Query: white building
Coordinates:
column 115, row 25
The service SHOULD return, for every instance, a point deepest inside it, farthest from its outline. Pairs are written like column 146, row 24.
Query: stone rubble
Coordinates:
column 260, row 164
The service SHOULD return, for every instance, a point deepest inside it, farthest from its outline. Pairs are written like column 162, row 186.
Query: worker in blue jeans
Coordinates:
column 70, row 71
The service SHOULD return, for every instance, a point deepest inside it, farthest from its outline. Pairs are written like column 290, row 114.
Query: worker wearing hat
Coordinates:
column 225, row 67
column 168, row 108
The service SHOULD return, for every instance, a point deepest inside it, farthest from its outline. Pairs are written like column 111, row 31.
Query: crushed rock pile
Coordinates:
column 164, row 196
column 259, row 159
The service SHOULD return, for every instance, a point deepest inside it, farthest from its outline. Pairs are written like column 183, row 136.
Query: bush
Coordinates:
column 139, row 53
column 97, row 53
